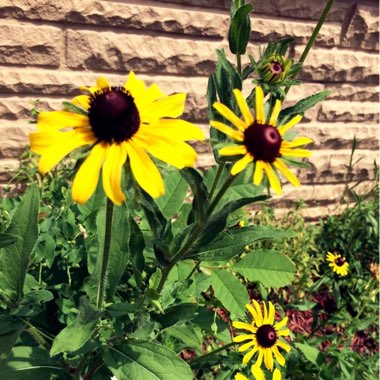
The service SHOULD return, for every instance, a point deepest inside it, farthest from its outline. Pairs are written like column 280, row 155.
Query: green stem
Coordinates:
column 200, row 358
column 216, row 180
column 314, row 35
column 238, row 60
column 220, row 194
column 105, row 256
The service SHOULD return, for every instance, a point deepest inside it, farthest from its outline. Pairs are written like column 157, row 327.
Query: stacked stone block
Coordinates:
column 48, row 49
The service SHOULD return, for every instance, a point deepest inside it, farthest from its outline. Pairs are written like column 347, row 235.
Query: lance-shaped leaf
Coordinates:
column 74, row 337
column 273, row 269
column 8, row 239
column 14, row 259
column 234, row 240
column 146, row 360
column 230, row 292
column 240, row 29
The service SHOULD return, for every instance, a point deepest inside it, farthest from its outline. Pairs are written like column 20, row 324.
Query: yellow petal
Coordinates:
column 286, row 172
column 297, row 142
column 102, row 82
column 230, row 116
column 248, row 356
column 265, row 317
column 257, row 372
column 283, row 345
column 116, row 156
column 244, row 337
column 82, row 101
column 284, row 332
column 276, row 374
column 144, row 170
column 268, row 358
column 233, row 150
column 244, row 326
column 240, row 376
column 278, row 356
column 247, row 346
column 243, row 107
column 258, row 174
column 168, row 106
column 241, row 164
column 271, row 313
column 281, row 324
column 53, row 154
column 136, row 87
column 55, row 120
column 151, row 94
column 259, row 320
column 273, row 180
column 275, row 113
column 252, row 311
column 236, row 135
column 260, row 115
column 295, row 152
column 87, row 176
column 176, row 129
column 291, row 123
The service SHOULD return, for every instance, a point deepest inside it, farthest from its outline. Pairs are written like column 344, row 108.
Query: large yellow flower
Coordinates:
column 263, row 338
column 260, row 140
column 120, row 124
column 338, row 263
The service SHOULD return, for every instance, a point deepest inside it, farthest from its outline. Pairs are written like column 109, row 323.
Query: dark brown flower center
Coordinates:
column 276, row 67
column 266, row 336
column 263, row 141
column 340, row 261
column 113, row 115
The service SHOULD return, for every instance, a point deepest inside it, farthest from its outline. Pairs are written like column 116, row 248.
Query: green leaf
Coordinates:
column 146, row 360
column 8, row 239
column 175, row 193
column 234, row 240
column 14, row 259
column 118, row 253
column 177, row 313
column 230, row 292
column 136, row 247
column 273, row 269
column 240, row 30
column 200, row 194
column 93, row 205
column 10, row 329
column 311, row 353
column 26, row 363
column 74, row 336
column 190, row 336
column 302, row 106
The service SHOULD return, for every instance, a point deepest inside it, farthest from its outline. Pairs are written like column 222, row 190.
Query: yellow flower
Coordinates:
column 120, row 124
column 258, row 374
column 338, row 263
column 260, row 141
column 263, row 338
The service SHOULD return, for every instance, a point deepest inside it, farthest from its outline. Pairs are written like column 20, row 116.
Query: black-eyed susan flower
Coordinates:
column 260, row 141
column 263, row 338
column 120, row 124
column 258, row 374
column 274, row 69
column 338, row 263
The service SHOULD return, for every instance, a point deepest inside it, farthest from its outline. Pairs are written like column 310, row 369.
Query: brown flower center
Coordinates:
column 266, row 336
column 263, row 141
column 340, row 261
column 113, row 115
column 276, row 67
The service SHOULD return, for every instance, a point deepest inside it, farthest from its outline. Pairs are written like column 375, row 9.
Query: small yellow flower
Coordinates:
column 258, row 374
column 264, row 336
column 260, row 140
column 338, row 263
column 120, row 124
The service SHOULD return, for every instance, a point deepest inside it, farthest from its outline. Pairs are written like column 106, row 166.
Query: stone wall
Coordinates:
column 49, row 48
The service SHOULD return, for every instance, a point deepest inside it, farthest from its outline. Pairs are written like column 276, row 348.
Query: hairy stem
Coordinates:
column 200, row 358
column 105, row 256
